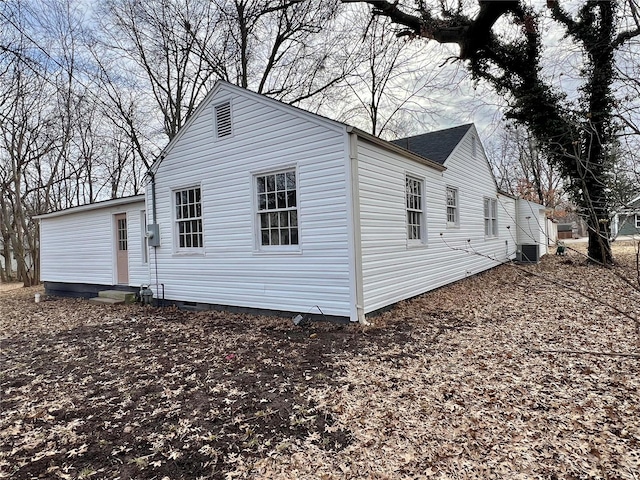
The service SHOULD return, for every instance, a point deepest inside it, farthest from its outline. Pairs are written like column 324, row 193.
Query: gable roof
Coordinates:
column 229, row 87
column 436, row 146
column 223, row 85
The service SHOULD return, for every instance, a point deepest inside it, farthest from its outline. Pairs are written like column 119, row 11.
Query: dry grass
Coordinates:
column 503, row 375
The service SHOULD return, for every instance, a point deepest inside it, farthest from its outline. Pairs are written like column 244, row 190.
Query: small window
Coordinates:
column 415, row 209
column 277, row 213
column 189, row 218
column 452, row 207
column 122, row 234
column 473, row 146
column 637, row 220
column 223, row 120
column 490, row 217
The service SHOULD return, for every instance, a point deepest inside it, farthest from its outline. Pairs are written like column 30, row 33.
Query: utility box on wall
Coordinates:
column 153, row 234
column 528, row 254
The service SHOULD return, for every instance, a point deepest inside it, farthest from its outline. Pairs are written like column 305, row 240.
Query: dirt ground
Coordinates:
column 507, row 374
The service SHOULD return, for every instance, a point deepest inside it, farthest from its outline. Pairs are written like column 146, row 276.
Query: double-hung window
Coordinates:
column 490, row 217
column 637, row 220
column 277, row 208
column 452, row 207
column 188, row 221
column 414, row 194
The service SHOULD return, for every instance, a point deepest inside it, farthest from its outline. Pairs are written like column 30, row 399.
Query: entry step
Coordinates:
column 119, row 295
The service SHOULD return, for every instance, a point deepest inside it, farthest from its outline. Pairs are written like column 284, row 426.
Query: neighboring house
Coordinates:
column 260, row 205
column 626, row 221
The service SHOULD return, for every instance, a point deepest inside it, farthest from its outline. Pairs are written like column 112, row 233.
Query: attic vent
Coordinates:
column 223, row 119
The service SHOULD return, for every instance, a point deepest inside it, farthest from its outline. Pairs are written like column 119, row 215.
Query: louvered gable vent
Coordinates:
column 223, row 120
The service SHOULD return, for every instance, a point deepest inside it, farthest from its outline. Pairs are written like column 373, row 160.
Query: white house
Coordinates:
column 260, row 205
column 89, row 247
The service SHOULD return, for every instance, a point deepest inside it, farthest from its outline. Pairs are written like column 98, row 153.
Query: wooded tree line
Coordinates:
column 89, row 97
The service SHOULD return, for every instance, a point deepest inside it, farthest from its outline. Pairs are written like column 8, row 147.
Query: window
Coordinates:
column 637, row 220
column 122, row 234
column 189, row 218
column 452, row 207
column 223, row 120
column 473, row 145
column 415, row 212
column 490, row 217
column 277, row 208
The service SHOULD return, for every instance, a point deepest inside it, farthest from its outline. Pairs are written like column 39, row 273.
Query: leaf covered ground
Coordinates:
column 479, row 379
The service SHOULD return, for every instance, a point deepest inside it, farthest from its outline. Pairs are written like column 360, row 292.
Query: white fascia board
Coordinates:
column 116, row 202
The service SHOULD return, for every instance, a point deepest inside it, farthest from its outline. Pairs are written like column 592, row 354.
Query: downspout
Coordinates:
column 357, row 237
column 155, row 217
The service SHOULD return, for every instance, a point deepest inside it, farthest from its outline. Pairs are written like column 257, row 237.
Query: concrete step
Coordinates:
column 106, row 301
column 124, row 297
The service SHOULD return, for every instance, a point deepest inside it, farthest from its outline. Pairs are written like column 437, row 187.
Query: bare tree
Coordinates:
column 385, row 86
column 160, row 38
column 576, row 137
column 522, row 169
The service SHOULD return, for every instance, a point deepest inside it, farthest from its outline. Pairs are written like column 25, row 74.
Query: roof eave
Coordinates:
column 93, row 206
column 397, row 149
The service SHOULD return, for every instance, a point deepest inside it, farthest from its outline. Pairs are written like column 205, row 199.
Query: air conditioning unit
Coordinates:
column 528, row 254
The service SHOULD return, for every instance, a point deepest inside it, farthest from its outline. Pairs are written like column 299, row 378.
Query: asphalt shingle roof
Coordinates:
column 436, row 146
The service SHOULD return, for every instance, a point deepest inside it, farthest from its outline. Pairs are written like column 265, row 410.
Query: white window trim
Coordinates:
column 258, row 248
column 177, row 249
column 456, row 223
column 493, row 218
column 637, row 220
column 215, row 120
column 422, row 241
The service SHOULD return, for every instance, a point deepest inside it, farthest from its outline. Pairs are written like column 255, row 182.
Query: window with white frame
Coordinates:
column 637, row 220
column 277, row 208
column 224, row 126
column 452, row 207
column 415, row 209
column 490, row 217
column 188, row 221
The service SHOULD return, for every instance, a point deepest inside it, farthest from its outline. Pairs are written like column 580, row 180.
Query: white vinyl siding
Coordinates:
column 63, row 258
column 415, row 209
column 490, row 217
column 531, row 225
column 393, row 272
column 452, row 207
column 267, row 137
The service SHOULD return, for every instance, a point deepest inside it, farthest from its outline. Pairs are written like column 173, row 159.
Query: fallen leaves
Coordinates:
column 480, row 379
